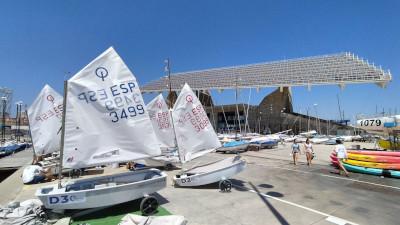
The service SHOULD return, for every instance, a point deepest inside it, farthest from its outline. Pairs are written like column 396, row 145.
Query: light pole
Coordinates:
column 259, row 123
column 18, row 120
column 3, row 124
column 317, row 125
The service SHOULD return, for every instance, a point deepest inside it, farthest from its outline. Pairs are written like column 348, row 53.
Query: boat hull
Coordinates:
column 360, row 169
column 374, row 158
column 222, row 173
column 383, row 153
column 233, row 149
column 395, row 166
column 103, row 191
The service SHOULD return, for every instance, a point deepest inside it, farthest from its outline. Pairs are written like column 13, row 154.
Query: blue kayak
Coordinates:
column 373, row 171
column 394, row 173
column 365, row 170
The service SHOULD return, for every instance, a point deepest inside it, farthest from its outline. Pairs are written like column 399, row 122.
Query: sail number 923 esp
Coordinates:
column 371, row 122
column 125, row 113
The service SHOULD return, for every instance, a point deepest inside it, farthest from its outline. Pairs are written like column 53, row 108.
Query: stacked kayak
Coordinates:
column 380, row 163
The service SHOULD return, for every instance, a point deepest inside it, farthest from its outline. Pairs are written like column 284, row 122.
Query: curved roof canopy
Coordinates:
column 339, row 69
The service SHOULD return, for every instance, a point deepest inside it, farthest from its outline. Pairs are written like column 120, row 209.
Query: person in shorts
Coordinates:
column 308, row 149
column 295, row 152
column 341, row 154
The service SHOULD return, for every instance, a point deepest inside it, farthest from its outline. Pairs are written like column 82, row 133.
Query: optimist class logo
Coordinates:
column 159, row 104
column 189, row 98
column 50, row 98
column 101, row 72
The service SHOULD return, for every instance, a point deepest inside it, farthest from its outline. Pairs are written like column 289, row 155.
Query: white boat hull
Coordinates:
column 103, row 191
column 211, row 173
column 161, row 161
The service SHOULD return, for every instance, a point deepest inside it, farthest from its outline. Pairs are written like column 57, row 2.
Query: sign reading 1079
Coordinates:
column 370, row 123
column 121, row 101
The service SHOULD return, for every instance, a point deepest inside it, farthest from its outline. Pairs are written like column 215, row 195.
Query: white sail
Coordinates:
column 106, row 119
column 194, row 133
column 161, row 119
column 45, row 115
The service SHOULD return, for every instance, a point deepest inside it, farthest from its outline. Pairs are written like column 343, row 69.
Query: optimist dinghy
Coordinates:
column 44, row 117
column 105, row 121
column 160, row 117
column 195, row 137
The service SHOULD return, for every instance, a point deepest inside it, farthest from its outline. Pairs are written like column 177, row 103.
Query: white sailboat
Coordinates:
column 44, row 116
column 195, row 137
column 160, row 117
column 105, row 121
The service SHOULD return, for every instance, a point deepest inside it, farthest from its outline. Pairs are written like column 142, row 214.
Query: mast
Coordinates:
column 237, row 108
column 340, row 111
column 308, row 123
column 30, row 133
column 16, row 122
column 3, row 127
column 62, row 132
column 168, row 70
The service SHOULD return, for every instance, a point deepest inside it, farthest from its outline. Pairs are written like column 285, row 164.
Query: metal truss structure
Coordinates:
column 336, row 69
column 6, row 96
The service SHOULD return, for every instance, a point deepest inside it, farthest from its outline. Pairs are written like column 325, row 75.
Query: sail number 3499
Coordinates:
column 125, row 113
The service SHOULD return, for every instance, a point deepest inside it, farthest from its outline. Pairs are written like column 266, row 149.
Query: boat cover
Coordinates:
column 235, row 143
column 29, row 212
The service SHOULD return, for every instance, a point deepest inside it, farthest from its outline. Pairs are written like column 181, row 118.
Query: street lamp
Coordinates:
column 259, row 123
column 18, row 120
column 3, row 124
column 317, row 124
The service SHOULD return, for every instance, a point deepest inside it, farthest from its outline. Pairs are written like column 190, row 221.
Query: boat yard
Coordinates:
column 270, row 191
column 199, row 113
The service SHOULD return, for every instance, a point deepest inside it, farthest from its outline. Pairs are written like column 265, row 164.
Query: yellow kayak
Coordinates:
column 395, row 166
column 386, row 144
column 374, row 158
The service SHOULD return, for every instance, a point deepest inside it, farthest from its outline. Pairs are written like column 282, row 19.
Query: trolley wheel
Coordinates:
column 149, row 205
column 225, row 185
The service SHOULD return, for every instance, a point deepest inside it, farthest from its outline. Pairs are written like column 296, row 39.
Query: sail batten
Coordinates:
column 106, row 118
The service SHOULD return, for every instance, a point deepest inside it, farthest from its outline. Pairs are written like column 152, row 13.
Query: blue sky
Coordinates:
column 40, row 41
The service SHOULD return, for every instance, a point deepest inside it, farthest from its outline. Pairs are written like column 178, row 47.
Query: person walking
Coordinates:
column 295, row 151
column 341, row 154
column 308, row 149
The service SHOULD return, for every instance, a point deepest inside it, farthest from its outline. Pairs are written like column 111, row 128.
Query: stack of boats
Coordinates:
column 237, row 144
column 11, row 147
column 381, row 163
